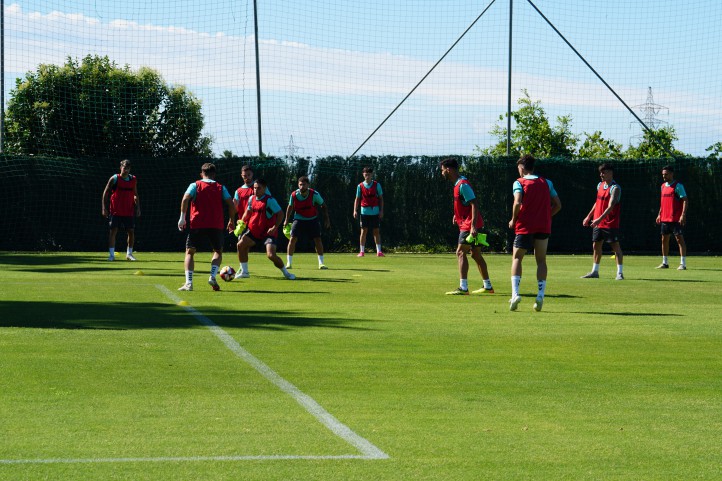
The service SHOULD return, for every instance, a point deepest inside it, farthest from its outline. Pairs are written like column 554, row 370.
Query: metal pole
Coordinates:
column 2, row 77
column 508, row 98
column 258, row 81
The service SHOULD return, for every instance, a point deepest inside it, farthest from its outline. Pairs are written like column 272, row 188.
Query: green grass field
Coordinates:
column 366, row 371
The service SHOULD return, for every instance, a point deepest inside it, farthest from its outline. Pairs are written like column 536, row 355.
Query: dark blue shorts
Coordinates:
column 668, row 228
column 370, row 221
column 116, row 221
column 214, row 236
column 306, row 227
column 526, row 241
column 607, row 235
column 268, row 240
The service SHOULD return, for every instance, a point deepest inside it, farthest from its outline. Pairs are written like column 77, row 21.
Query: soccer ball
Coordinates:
column 227, row 273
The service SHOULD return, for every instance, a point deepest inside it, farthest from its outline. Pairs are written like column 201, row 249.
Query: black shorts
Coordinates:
column 526, row 241
column 462, row 239
column 116, row 221
column 370, row 221
column 306, row 227
column 214, row 236
column 607, row 235
column 268, row 240
column 668, row 228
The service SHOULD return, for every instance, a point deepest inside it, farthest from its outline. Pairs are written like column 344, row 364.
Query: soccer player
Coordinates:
column 370, row 199
column 535, row 203
column 205, row 198
column 672, row 216
column 124, row 207
column 604, row 219
column 469, row 220
column 304, row 204
column 263, row 217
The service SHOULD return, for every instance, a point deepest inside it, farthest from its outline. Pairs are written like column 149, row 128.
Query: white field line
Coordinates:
column 368, row 450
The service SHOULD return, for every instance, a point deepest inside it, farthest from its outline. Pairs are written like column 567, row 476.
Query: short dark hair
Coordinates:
column 449, row 163
column 304, row 178
column 246, row 167
column 368, row 170
column 208, row 168
column 125, row 162
column 260, row 182
column 527, row 161
column 668, row 168
column 606, row 166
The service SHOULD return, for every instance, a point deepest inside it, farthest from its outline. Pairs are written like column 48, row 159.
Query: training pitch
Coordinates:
column 365, row 371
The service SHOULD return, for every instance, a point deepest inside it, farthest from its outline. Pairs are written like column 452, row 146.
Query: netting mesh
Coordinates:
column 332, row 71
column 342, row 77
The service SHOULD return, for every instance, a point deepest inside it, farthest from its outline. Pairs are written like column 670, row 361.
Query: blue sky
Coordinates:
column 332, row 70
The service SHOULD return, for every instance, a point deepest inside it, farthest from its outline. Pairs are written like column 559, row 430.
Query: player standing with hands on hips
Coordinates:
column 672, row 217
column 124, row 207
column 535, row 203
column 604, row 219
column 205, row 198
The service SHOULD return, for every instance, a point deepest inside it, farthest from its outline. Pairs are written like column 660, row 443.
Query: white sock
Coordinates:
column 683, row 261
column 542, row 284
column 464, row 284
column 214, row 270
column 378, row 247
column 595, row 267
column 515, row 282
column 289, row 260
column 285, row 271
column 244, row 267
column 189, row 277
column 320, row 259
column 664, row 260
column 129, row 251
column 619, row 268
column 112, row 251
column 487, row 284
column 362, row 248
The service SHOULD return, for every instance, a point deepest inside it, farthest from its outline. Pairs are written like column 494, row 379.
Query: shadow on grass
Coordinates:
column 44, row 260
column 630, row 314
column 129, row 315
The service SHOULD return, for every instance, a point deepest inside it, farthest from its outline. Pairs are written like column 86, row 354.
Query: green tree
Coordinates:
column 533, row 133
column 595, row 146
column 655, row 144
column 93, row 108
column 715, row 150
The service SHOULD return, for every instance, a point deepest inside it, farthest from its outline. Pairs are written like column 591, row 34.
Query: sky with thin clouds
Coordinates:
column 332, row 70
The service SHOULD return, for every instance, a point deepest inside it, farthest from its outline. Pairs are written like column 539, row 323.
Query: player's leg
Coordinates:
column 517, row 257
column 377, row 240
column 318, row 244
column 362, row 240
column 665, row 251
column 483, row 270
column 245, row 243
column 131, row 243
column 271, row 254
column 189, row 263
column 112, row 234
column 597, row 241
column 291, row 249
column 619, row 259
column 215, row 236
column 682, row 251
column 540, row 254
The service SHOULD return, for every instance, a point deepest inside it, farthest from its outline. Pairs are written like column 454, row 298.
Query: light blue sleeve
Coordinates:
column 191, row 190
column 226, row 195
column 552, row 191
column 317, row 199
column 358, row 190
column 467, row 193
column 379, row 190
column 517, row 187
column 273, row 205
column 290, row 199
column 679, row 190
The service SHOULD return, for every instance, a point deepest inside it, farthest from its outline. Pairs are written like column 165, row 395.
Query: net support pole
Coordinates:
column 2, row 76
column 258, row 80
column 508, row 97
